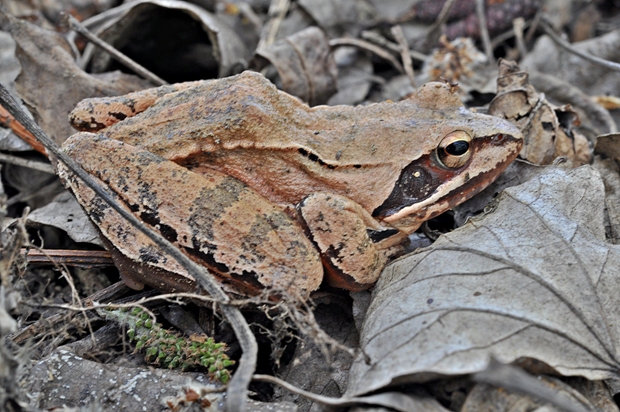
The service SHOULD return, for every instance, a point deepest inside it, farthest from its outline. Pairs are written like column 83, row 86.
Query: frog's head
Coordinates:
column 466, row 152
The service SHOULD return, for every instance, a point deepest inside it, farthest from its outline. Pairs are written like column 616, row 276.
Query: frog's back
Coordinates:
column 245, row 127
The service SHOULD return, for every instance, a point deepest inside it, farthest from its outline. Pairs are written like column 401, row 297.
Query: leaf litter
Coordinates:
column 542, row 286
column 535, row 281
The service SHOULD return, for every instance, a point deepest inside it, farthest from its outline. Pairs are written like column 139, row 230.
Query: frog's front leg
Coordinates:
column 342, row 230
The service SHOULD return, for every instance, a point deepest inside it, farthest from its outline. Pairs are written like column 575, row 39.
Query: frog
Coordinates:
column 269, row 193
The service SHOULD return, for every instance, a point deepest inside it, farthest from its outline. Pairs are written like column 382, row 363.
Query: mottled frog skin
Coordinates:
column 268, row 192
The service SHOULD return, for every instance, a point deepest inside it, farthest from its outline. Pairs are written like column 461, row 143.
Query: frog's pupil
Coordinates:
column 458, row 148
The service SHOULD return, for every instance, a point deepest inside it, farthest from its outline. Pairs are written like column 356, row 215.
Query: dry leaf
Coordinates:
column 548, row 130
column 50, row 82
column 593, row 79
column 534, row 279
column 65, row 213
column 487, row 398
column 460, row 62
column 338, row 17
column 176, row 40
column 355, row 76
column 304, row 63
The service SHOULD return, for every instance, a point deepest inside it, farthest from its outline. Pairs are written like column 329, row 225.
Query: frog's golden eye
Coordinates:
column 454, row 150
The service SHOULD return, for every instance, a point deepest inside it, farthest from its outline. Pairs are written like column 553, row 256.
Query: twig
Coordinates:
column 31, row 164
column 345, row 41
column 519, row 24
column 484, row 31
column 564, row 44
column 116, row 55
column 277, row 12
column 238, row 386
column 534, row 25
column 381, row 41
column 500, row 38
column 394, row 400
column 397, row 31
column 515, row 379
column 43, row 325
column 89, row 258
column 434, row 32
column 6, row 120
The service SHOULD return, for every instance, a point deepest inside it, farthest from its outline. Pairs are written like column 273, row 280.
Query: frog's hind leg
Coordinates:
column 339, row 228
column 91, row 115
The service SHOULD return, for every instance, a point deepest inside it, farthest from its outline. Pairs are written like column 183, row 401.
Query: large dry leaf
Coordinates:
column 176, row 40
column 593, row 79
column 533, row 279
column 548, row 131
column 65, row 213
column 304, row 63
column 50, row 82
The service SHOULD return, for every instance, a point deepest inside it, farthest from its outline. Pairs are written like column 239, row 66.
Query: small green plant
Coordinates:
column 170, row 350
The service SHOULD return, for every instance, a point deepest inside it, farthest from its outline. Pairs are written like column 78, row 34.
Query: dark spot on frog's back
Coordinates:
column 117, row 115
column 212, row 203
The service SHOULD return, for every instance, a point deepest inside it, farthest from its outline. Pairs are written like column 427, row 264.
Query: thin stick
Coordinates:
column 90, row 258
column 484, row 32
column 442, row 18
column 116, row 55
column 564, row 44
column 7, row 121
column 517, row 380
column 518, row 24
column 238, row 386
column 345, row 41
column 277, row 12
column 31, row 164
column 397, row 31
column 381, row 41
column 394, row 400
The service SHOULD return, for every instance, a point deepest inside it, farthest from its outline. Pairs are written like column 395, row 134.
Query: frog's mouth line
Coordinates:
column 457, row 188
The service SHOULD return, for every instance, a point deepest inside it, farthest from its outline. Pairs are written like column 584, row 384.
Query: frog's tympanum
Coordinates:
column 270, row 193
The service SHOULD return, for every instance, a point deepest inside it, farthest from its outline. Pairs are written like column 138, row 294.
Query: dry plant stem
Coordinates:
column 519, row 24
column 500, row 38
column 434, row 32
column 529, row 36
column 515, row 379
column 53, row 323
column 277, row 12
column 394, row 400
column 564, row 44
column 249, row 14
column 484, row 32
column 343, row 41
column 381, row 41
column 68, row 257
column 31, row 164
column 237, row 395
column 116, row 55
column 6, row 120
column 397, row 31
column 563, row 91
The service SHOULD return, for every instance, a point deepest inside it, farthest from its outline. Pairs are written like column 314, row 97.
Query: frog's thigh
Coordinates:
column 338, row 227
column 99, row 112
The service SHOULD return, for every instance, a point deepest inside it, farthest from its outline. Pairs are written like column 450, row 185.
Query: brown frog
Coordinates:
column 268, row 192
